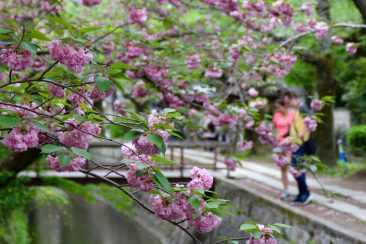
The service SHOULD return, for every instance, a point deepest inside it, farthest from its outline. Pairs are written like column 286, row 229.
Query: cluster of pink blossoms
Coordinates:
column 143, row 182
column 223, row 119
column 120, row 107
column 213, row 72
column 230, row 164
column 139, row 90
column 321, row 30
column 310, row 123
column 244, row 145
column 205, row 223
column 316, row 105
column 265, row 238
column 296, row 173
column 77, row 97
column 281, row 160
column 56, row 90
column 253, row 92
column 266, row 135
column 16, row 60
column 78, row 135
column 176, row 208
column 137, row 15
column 351, row 48
column 279, row 64
column 21, row 138
column 75, row 164
column 193, row 61
column 201, row 179
column 91, row 2
column 74, row 59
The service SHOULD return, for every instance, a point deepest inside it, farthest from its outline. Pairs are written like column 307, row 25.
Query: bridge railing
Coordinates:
column 109, row 153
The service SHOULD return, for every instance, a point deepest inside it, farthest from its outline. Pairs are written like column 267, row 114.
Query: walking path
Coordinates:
column 270, row 176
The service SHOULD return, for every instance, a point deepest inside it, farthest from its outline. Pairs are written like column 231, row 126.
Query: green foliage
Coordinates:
column 14, row 227
column 356, row 138
column 115, row 197
column 69, row 186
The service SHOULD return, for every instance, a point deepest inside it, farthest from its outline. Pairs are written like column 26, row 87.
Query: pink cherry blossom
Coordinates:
column 16, row 61
column 281, row 160
column 253, row 92
column 21, row 138
column 310, row 123
column 56, row 91
column 143, row 146
column 316, row 104
column 193, row 61
column 201, row 179
column 213, row 72
column 139, row 90
column 321, row 30
column 230, row 164
column 244, row 145
column 337, row 40
column 137, row 15
column 75, row 59
column 75, row 98
column 91, row 2
column 205, row 223
column 351, row 48
column 120, row 107
column 143, row 182
column 75, row 164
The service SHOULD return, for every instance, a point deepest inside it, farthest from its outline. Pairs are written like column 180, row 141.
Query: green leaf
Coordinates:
column 132, row 135
column 157, row 141
column 249, row 227
column 175, row 115
column 9, row 120
column 103, row 83
column 60, row 21
column 275, row 229
column 40, row 126
column 163, row 181
column 163, row 160
column 49, row 148
column 212, row 204
column 6, row 42
column 37, row 35
column 80, row 152
column 282, row 225
column 195, row 203
column 12, row 23
column 140, row 172
column 119, row 65
column 64, row 160
column 4, row 31
column 136, row 116
column 90, row 29
column 30, row 47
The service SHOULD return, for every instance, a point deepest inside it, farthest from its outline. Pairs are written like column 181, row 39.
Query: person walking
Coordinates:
column 300, row 136
column 282, row 120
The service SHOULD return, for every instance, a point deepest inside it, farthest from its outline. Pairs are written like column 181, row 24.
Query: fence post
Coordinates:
column 181, row 161
column 171, row 156
column 215, row 158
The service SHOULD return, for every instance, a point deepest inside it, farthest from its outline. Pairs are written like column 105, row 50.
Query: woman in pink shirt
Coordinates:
column 282, row 120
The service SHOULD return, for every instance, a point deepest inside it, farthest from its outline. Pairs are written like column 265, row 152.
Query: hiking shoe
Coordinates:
column 285, row 195
column 302, row 200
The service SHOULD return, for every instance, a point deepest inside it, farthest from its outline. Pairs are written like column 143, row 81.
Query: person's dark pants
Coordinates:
column 301, row 180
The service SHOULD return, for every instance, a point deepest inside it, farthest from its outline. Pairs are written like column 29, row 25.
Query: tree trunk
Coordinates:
column 326, row 85
column 17, row 162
